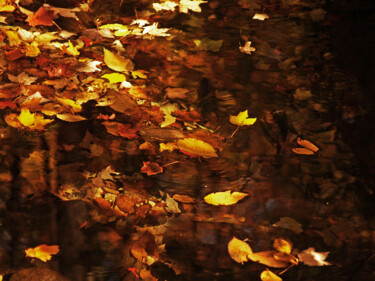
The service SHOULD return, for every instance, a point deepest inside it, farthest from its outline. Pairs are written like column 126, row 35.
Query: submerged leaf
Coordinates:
column 312, row 258
column 224, row 198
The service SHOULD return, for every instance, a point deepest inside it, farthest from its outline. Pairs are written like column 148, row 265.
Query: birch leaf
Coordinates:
column 224, row 198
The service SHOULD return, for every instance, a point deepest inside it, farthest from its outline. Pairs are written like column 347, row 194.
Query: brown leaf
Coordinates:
column 151, row 168
column 303, row 151
column 42, row 17
column 125, row 203
column 144, row 249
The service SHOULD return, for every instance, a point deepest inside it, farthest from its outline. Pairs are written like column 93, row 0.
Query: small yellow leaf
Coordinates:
column 260, row 17
column 32, row 50
column 120, row 29
column 224, row 198
column 117, row 62
column 282, row 246
column 197, row 147
column 26, row 118
column 239, row 250
column 71, row 50
column 307, row 144
column 7, row 8
column 303, row 151
column 242, row 119
column 114, row 77
column 268, row 275
column 70, row 103
column 13, row 38
column 42, row 252
column 170, row 146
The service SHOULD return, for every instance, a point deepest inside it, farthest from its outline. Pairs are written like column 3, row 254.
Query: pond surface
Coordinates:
column 117, row 174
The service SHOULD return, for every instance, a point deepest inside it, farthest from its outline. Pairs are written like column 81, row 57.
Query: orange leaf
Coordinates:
column 42, row 252
column 144, row 248
column 41, row 17
column 303, row 151
column 125, row 131
column 307, row 144
column 151, row 168
column 268, row 275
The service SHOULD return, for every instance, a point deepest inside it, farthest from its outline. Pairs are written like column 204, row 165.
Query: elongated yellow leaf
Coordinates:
column 268, row 275
column 117, row 62
column 196, row 146
column 242, row 119
column 224, row 198
column 239, row 250
column 70, row 117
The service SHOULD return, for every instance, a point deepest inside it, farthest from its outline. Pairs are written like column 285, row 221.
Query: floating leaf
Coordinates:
column 151, row 168
column 242, row 119
column 239, row 250
column 26, row 118
column 42, row 252
column 153, row 30
column 303, row 151
column 260, row 17
column 117, row 62
column 114, row 77
column 197, row 147
column 186, row 5
column 282, row 246
column 167, row 6
column 224, row 198
column 307, row 144
column 268, row 275
column 271, row 258
column 247, row 49
column 312, row 258
column 289, row 223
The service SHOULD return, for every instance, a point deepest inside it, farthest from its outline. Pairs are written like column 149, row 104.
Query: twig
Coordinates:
column 174, row 162
column 235, row 131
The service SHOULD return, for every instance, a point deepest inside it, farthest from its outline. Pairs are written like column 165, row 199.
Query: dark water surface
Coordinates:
column 310, row 77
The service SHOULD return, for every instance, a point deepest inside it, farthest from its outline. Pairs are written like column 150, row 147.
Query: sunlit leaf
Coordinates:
column 242, row 119
column 186, row 5
column 153, row 30
column 5, row 7
column 312, row 258
column 307, row 144
column 260, row 17
column 42, row 17
column 303, row 151
column 42, row 252
column 197, row 147
column 247, row 49
column 239, row 250
column 114, row 77
column 71, row 50
column 22, row 78
column 282, row 246
column 117, row 62
column 170, row 146
column 26, row 118
column 268, row 275
column 13, row 38
column 167, row 6
column 120, row 29
column 32, row 50
column 89, row 66
column 224, row 198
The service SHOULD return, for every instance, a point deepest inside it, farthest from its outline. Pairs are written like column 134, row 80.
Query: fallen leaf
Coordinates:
column 144, row 249
column 208, row 44
column 42, row 252
column 64, row 12
column 114, row 78
column 270, row 258
column 247, row 49
column 42, row 17
column 134, row 271
column 282, row 246
column 120, row 29
column 70, row 117
column 26, row 118
column 176, row 93
column 89, row 66
column 167, row 6
column 13, row 38
column 125, row 130
column 224, row 198
column 172, row 205
column 183, row 198
column 289, row 223
column 303, row 151
column 22, row 78
column 151, row 168
column 117, row 62
column 186, row 5
column 307, row 144
column 239, row 250
column 260, row 17
column 312, row 258
column 268, row 275
column 197, row 147
column 170, row 146
column 242, row 119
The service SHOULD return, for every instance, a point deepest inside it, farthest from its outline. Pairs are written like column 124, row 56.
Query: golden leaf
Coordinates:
column 303, row 151
column 117, row 62
column 13, row 38
column 268, row 275
column 224, row 198
column 70, row 117
column 260, row 17
column 169, row 146
column 71, row 50
column 42, row 252
column 70, row 103
column 307, row 144
column 282, row 246
column 26, row 118
column 32, row 50
column 120, row 29
column 197, row 147
column 239, row 250
column 114, row 77
column 186, row 5
column 242, row 119
column 268, row 258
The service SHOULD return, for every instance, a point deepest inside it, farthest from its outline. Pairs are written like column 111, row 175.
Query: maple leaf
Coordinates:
column 22, row 78
column 117, row 62
column 42, row 252
column 247, row 48
column 125, row 131
column 197, row 147
column 242, row 119
column 140, row 22
column 26, row 118
column 153, row 30
column 224, row 198
column 186, row 5
column 151, row 168
column 167, row 5
column 42, row 17
column 312, row 258
column 268, row 275
column 260, row 17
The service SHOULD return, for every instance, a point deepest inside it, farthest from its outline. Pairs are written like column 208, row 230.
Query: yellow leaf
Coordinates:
column 70, row 117
column 139, row 74
column 42, row 252
column 282, row 246
column 26, row 118
column 239, row 250
column 242, row 119
column 114, row 77
column 169, row 146
column 32, row 50
column 307, row 144
column 260, row 17
column 268, row 275
column 303, row 151
column 71, row 50
column 224, row 198
column 120, row 29
column 7, row 8
column 196, row 146
column 13, row 38
column 117, row 62
column 71, row 103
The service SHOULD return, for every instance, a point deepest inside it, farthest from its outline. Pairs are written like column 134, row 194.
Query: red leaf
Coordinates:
column 151, row 168
column 125, row 131
column 188, row 116
column 7, row 103
column 41, row 17
column 15, row 54
column 133, row 270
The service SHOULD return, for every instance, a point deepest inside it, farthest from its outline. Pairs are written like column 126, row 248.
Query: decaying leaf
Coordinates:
column 186, row 5
column 195, row 146
column 307, row 144
column 144, row 248
column 260, row 17
column 242, row 119
column 42, row 252
column 268, row 275
column 239, row 250
column 117, row 62
column 224, row 198
column 289, row 223
column 151, row 168
column 312, row 258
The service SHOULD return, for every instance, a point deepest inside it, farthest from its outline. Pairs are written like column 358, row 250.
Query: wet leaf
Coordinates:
column 172, row 205
column 312, row 258
column 307, row 144
column 260, row 17
column 42, row 17
column 239, row 250
column 144, row 248
column 117, row 62
column 151, row 168
column 183, row 198
column 303, row 151
column 268, row 275
column 224, row 198
column 42, row 252
column 193, row 5
column 197, row 147
column 114, row 77
column 282, row 246
column 289, row 223
column 242, row 119
column 26, row 118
